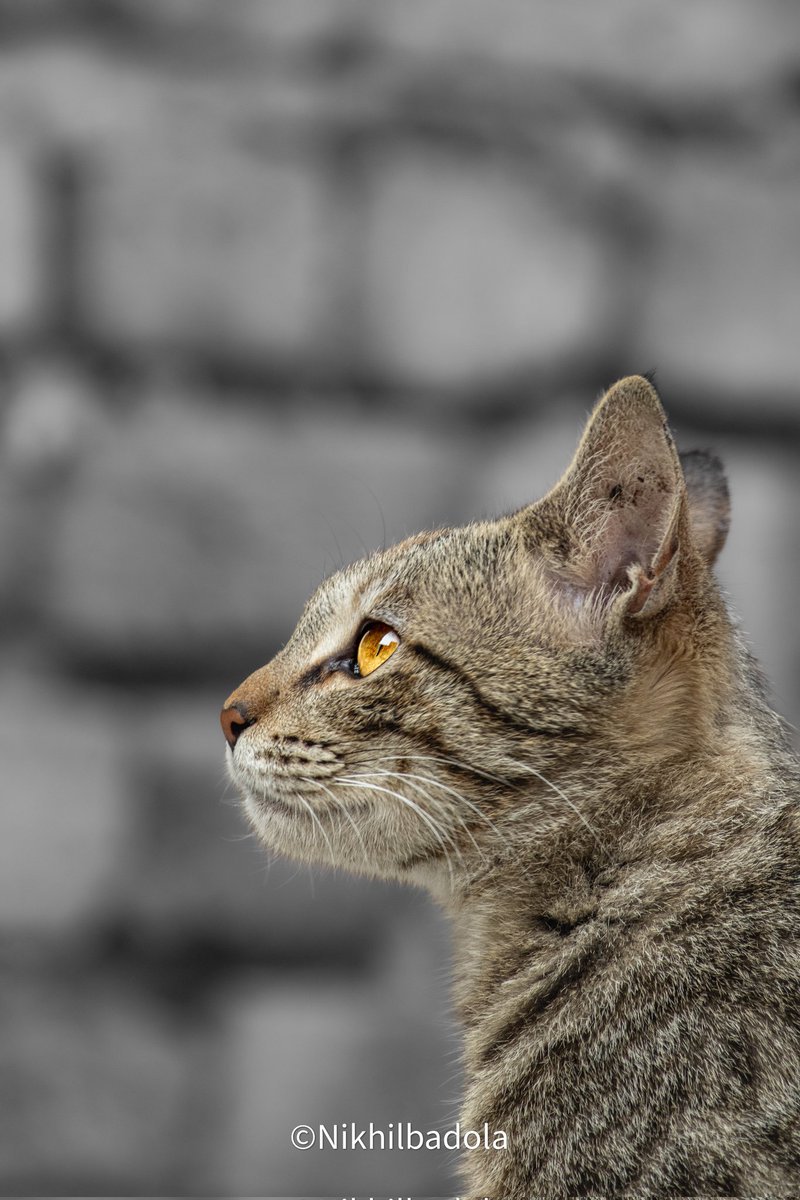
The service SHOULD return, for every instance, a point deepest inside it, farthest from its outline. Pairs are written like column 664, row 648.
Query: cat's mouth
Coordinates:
column 297, row 798
column 266, row 783
column 268, row 801
column 272, row 784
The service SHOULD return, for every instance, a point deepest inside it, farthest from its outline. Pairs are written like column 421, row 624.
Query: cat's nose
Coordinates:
column 233, row 720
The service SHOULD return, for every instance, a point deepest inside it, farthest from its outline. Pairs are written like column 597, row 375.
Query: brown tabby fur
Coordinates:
column 572, row 750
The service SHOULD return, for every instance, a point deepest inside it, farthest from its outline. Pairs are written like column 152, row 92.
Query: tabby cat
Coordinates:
column 550, row 722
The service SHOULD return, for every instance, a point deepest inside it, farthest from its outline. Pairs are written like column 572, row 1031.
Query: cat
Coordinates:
column 550, row 721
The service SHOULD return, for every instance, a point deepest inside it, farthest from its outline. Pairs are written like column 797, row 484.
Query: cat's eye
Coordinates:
column 378, row 642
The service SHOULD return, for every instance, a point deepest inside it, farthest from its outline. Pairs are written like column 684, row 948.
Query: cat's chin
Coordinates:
column 271, row 815
column 275, row 822
column 283, row 826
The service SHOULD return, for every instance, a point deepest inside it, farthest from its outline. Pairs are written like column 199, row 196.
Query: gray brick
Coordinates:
column 76, row 97
column 64, row 806
column 268, row 23
column 289, row 24
column 671, row 51
column 475, row 268
column 760, row 565
column 724, row 307
column 202, row 245
column 104, row 1087
column 22, row 229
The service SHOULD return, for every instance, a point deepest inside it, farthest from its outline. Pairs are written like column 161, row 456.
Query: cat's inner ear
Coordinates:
column 615, row 521
column 709, row 501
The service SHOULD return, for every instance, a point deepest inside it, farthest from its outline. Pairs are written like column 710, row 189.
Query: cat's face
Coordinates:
column 434, row 692
column 395, row 714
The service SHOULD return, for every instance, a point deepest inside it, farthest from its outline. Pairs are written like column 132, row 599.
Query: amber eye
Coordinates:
column 377, row 644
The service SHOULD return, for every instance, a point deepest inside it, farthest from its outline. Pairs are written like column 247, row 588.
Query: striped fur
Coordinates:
column 572, row 750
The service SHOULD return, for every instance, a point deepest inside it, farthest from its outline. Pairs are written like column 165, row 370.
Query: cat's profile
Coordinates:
column 550, row 722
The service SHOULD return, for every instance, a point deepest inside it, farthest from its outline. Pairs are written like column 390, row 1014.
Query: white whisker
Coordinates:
column 426, row 779
column 360, row 782
column 505, row 783
column 563, row 796
column 340, row 804
column 318, row 823
column 356, row 781
column 417, row 780
column 455, row 762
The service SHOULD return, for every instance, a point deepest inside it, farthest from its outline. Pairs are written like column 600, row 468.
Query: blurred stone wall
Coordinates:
column 281, row 279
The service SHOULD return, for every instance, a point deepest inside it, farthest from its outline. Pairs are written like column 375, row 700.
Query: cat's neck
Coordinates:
column 641, row 841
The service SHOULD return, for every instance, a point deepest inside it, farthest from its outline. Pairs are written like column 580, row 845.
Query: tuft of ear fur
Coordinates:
column 709, row 501
column 615, row 522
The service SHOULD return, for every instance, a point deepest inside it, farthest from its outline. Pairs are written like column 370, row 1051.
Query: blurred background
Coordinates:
column 281, row 279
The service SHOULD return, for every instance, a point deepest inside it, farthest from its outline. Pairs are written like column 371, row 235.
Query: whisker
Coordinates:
column 355, row 782
column 234, row 838
column 437, row 783
column 340, row 804
column 318, row 823
column 359, row 781
column 505, row 783
column 455, row 762
column 563, row 796
column 416, row 780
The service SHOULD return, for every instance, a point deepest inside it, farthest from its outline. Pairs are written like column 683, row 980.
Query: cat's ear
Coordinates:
column 615, row 523
column 709, row 501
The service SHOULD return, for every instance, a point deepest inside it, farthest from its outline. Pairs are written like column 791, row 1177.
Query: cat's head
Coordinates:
column 438, row 694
